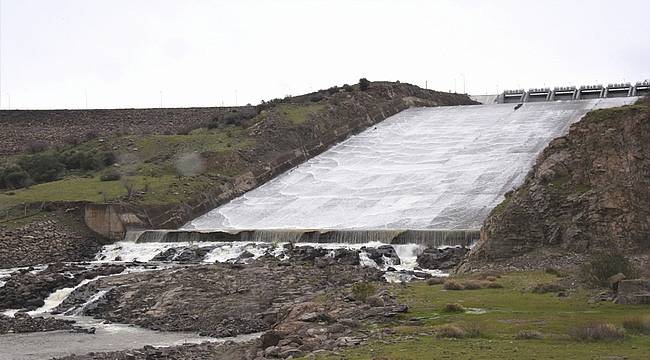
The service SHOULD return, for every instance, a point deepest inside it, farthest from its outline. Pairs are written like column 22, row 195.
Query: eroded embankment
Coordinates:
column 588, row 191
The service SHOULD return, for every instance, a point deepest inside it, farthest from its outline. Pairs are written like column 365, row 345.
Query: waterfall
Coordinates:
column 432, row 238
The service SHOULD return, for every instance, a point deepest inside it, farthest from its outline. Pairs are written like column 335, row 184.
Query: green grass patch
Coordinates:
column 157, row 190
column 298, row 113
column 508, row 312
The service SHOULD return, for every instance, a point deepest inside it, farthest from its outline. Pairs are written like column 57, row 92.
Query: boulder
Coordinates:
column 634, row 292
column 383, row 255
column 443, row 259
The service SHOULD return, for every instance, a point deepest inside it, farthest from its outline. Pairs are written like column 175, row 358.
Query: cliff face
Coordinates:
column 589, row 190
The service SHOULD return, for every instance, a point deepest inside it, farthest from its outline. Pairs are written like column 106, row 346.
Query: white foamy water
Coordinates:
column 56, row 298
column 424, row 168
column 230, row 251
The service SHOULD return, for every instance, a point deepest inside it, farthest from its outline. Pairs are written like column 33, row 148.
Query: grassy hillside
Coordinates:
column 496, row 321
column 206, row 158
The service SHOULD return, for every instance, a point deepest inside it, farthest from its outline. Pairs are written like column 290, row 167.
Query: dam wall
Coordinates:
column 430, row 238
column 429, row 170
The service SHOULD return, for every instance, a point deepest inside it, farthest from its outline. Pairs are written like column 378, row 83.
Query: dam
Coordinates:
column 425, row 175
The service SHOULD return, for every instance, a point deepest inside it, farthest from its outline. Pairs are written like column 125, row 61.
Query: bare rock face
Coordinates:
column 443, row 259
column 588, row 191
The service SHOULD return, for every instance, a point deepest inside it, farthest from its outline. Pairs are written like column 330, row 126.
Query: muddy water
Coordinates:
column 108, row 337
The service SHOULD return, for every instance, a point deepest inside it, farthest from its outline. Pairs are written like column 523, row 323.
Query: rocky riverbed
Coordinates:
column 302, row 298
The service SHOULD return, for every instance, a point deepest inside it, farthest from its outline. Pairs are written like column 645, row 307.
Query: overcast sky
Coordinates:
column 126, row 53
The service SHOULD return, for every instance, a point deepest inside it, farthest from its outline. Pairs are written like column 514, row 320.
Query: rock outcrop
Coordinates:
column 217, row 300
column 588, row 191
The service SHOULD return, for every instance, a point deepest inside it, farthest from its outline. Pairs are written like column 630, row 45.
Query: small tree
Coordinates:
column 602, row 266
column 364, row 84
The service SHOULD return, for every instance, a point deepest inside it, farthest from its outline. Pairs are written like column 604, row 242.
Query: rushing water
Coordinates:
column 425, row 168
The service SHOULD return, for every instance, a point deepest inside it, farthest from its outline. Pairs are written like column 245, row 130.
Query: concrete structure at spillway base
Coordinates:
column 425, row 175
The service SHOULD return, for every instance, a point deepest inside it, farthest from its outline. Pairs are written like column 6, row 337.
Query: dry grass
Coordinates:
column 637, row 325
column 473, row 284
column 544, row 288
column 436, row 281
column 453, row 308
column 473, row 330
column 494, row 285
column 596, row 332
column 450, row 331
column 452, row 284
column 529, row 334
column 458, row 332
column 491, row 278
column 554, row 271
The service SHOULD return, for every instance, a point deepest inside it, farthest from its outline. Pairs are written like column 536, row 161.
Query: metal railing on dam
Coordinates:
column 584, row 92
column 439, row 170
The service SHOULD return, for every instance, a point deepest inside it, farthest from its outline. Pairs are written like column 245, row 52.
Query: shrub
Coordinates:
column 529, row 334
column 364, row 84
column 111, row 175
column 362, row 290
column 544, row 288
column 81, row 160
column 450, row 331
column 637, row 325
column 436, row 281
column 451, row 284
column 596, row 332
column 473, row 330
column 14, row 177
column 42, row 167
column 333, row 90
column 453, row 308
column 347, row 88
column 494, row 285
column 107, row 158
column 491, row 278
column 601, row 267
column 236, row 117
column 554, row 271
column 474, row 284
column 316, row 97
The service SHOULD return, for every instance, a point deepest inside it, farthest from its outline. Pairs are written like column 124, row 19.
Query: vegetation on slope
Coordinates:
column 208, row 157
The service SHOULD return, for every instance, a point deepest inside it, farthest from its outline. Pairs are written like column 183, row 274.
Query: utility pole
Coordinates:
column 86, row 96
column 161, row 99
column 426, row 85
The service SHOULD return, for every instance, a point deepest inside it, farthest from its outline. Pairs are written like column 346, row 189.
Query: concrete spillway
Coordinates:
column 428, row 176
column 439, row 168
